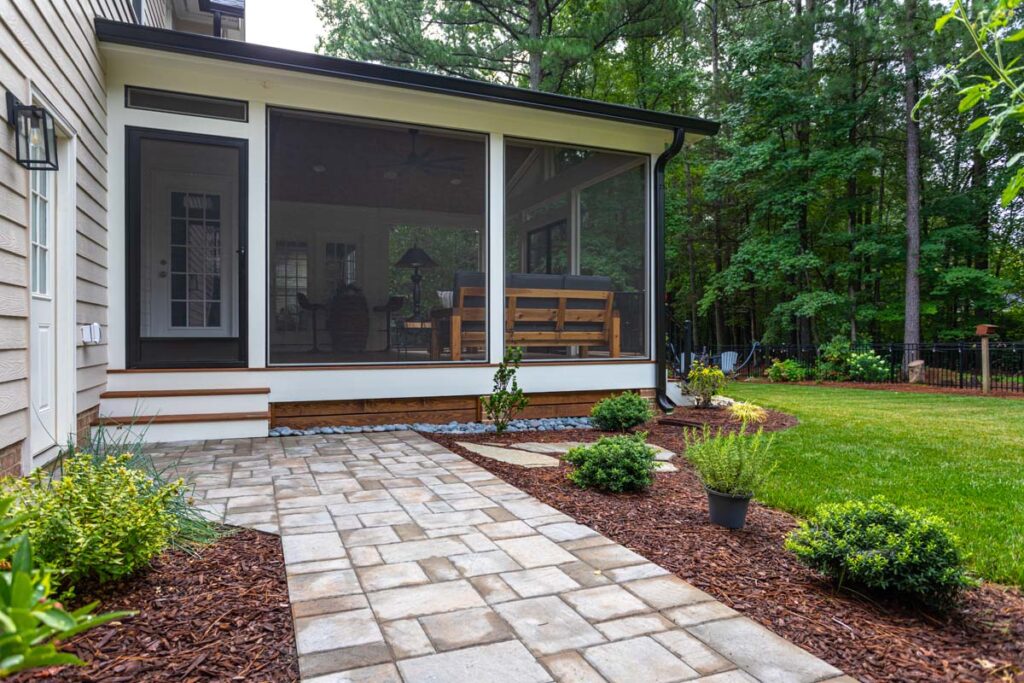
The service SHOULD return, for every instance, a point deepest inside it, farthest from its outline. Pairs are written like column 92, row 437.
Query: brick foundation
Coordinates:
column 10, row 460
column 651, row 395
column 84, row 422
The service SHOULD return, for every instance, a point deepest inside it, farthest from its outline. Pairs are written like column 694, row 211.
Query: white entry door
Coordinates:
column 190, row 269
column 43, row 313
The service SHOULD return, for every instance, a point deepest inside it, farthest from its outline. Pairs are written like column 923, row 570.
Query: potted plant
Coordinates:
column 732, row 467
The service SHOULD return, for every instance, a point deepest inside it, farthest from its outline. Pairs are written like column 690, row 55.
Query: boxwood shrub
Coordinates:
column 619, row 413
column 614, row 463
column 100, row 521
column 884, row 547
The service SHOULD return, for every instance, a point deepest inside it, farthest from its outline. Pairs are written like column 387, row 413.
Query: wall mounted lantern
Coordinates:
column 35, row 135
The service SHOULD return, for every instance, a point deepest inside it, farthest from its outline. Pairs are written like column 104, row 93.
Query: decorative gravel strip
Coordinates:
column 544, row 424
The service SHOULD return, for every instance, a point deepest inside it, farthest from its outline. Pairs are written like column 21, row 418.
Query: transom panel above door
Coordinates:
column 186, row 250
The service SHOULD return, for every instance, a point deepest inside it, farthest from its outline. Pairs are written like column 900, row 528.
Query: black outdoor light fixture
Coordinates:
column 219, row 8
column 416, row 258
column 35, row 135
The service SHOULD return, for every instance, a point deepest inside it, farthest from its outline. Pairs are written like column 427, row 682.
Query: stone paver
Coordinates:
column 512, row 456
column 408, row 564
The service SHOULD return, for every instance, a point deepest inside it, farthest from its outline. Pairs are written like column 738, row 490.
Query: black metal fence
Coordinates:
column 947, row 364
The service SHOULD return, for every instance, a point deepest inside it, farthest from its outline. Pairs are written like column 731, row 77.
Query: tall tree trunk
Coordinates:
column 912, row 296
column 536, row 55
column 803, row 134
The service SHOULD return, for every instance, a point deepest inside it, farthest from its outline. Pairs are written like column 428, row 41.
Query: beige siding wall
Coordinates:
column 49, row 48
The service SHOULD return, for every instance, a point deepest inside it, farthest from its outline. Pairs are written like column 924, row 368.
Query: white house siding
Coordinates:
column 48, row 51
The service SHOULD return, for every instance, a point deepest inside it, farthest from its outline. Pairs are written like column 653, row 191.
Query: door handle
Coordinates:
column 241, row 252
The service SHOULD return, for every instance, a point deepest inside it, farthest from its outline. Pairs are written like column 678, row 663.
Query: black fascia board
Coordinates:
column 121, row 33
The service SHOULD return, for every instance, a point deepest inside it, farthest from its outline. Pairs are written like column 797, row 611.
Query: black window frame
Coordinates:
column 128, row 89
column 134, row 136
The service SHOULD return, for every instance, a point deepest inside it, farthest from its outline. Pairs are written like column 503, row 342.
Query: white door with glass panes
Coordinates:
column 189, row 273
column 42, row 314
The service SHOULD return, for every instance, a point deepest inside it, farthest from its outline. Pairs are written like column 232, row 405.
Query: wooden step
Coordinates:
column 164, row 393
column 142, row 420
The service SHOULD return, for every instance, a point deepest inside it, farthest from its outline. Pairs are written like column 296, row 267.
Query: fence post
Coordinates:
column 960, row 363
column 984, row 331
column 687, row 348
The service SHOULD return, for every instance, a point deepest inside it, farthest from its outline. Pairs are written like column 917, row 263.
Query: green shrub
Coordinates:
column 833, row 360
column 703, row 382
column 868, row 367
column 881, row 546
column 191, row 527
column 30, row 620
column 98, row 521
column 619, row 413
column 789, row 370
column 507, row 398
column 735, row 464
column 614, row 463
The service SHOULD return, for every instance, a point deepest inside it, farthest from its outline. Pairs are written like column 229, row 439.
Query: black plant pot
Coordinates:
column 727, row 510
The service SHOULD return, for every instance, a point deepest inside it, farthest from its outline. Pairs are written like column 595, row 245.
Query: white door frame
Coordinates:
column 64, row 231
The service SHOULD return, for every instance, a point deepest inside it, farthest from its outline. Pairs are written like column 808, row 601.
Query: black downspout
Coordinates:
column 678, row 136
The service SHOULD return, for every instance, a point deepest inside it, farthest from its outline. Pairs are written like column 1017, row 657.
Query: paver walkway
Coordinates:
column 409, row 563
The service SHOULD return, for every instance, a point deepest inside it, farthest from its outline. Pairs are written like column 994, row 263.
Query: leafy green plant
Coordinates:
column 789, row 370
column 98, row 521
column 868, row 367
column 507, row 399
column 30, row 621
column 619, row 413
column 615, row 463
column 885, row 547
column 191, row 528
column 736, row 464
column 748, row 413
column 703, row 382
column 990, row 30
column 833, row 360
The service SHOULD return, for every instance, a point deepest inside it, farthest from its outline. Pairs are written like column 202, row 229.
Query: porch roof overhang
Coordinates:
column 121, row 33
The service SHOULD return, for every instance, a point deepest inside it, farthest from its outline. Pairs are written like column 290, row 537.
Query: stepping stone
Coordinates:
column 548, row 625
column 476, row 626
column 551, row 447
column 508, row 662
column 510, row 456
column 333, row 631
column 417, row 601
column 640, row 660
column 761, row 653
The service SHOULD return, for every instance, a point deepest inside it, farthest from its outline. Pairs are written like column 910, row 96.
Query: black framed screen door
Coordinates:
column 186, row 250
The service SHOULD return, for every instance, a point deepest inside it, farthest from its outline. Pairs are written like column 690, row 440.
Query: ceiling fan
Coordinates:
column 424, row 161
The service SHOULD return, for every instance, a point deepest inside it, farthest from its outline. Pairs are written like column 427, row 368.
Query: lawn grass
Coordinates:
column 959, row 457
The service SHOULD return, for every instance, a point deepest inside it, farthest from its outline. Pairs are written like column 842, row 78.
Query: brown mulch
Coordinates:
column 871, row 638
column 221, row 615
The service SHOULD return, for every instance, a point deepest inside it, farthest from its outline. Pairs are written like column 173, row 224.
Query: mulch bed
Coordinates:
column 221, row 615
column 871, row 638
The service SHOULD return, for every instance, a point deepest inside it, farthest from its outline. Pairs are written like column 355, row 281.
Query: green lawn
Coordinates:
column 959, row 457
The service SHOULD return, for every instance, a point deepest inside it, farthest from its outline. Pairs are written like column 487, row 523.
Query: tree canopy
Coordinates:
column 792, row 223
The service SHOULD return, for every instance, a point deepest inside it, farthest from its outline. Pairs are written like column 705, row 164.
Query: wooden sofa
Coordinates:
column 540, row 311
